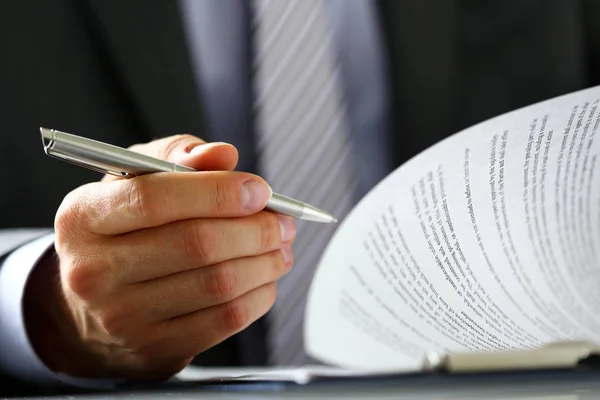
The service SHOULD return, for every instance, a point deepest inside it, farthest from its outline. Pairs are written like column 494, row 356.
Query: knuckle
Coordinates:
column 279, row 265
column 235, row 315
column 221, row 196
column 143, row 201
column 63, row 221
column 138, row 147
column 83, row 277
column 70, row 215
column 175, row 367
column 115, row 321
column 149, row 357
column 221, row 283
column 155, row 366
column 138, row 201
column 269, row 231
column 172, row 368
column 271, row 295
column 200, row 244
column 61, row 241
column 174, row 142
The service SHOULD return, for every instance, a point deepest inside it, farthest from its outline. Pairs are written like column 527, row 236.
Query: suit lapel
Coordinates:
column 147, row 47
column 420, row 37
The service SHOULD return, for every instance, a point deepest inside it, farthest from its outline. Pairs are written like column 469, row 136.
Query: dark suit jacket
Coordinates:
column 119, row 71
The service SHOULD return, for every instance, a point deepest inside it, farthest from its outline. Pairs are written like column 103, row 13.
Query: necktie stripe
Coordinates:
column 315, row 236
column 300, row 281
column 295, row 70
column 273, row 21
column 279, row 136
column 310, row 148
column 327, row 170
column 316, row 92
column 287, row 94
column 312, row 237
column 307, row 104
column 295, row 304
column 293, row 134
column 304, row 152
column 290, row 52
column 303, row 161
column 283, row 98
column 318, row 239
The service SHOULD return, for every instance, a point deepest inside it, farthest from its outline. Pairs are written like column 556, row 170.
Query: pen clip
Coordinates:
column 89, row 164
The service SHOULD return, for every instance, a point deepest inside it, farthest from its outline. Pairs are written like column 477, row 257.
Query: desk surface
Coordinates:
column 550, row 385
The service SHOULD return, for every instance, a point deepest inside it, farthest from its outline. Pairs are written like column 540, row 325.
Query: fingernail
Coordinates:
column 288, row 254
column 255, row 195
column 288, row 227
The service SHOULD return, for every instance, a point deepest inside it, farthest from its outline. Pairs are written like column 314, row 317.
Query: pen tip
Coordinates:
column 334, row 219
column 311, row 213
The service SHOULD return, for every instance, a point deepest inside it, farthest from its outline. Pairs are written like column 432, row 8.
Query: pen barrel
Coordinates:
column 108, row 158
column 285, row 205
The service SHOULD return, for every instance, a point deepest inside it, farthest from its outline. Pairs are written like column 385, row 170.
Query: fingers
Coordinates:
column 172, row 344
column 190, row 151
column 177, row 247
column 193, row 290
column 112, row 208
column 154, row 270
column 196, row 332
column 209, row 157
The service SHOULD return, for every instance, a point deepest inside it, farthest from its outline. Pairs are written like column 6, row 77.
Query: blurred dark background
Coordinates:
column 119, row 71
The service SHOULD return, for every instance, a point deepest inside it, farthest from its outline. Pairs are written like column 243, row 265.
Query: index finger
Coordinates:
column 190, row 151
column 121, row 206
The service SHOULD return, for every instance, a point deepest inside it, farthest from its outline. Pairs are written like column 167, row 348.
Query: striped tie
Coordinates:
column 303, row 144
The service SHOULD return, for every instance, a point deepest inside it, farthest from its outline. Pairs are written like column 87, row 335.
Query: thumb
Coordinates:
column 190, row 151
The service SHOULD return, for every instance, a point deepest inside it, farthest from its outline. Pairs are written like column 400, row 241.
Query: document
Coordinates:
column 487, row 241
column 299, row 375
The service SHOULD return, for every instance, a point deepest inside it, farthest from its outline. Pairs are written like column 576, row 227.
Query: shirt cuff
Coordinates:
column 17, row 357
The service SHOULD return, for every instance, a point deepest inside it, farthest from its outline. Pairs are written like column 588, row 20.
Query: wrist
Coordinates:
column 50, row 327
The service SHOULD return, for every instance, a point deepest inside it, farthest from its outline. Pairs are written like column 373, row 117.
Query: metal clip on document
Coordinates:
column 556, row 355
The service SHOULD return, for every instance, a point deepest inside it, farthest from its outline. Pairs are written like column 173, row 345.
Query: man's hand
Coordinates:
column 154, row 270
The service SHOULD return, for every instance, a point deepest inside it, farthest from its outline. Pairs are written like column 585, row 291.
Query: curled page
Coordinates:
column 488, row 240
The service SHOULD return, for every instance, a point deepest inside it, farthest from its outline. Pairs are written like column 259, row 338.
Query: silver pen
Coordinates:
column 124, row 163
